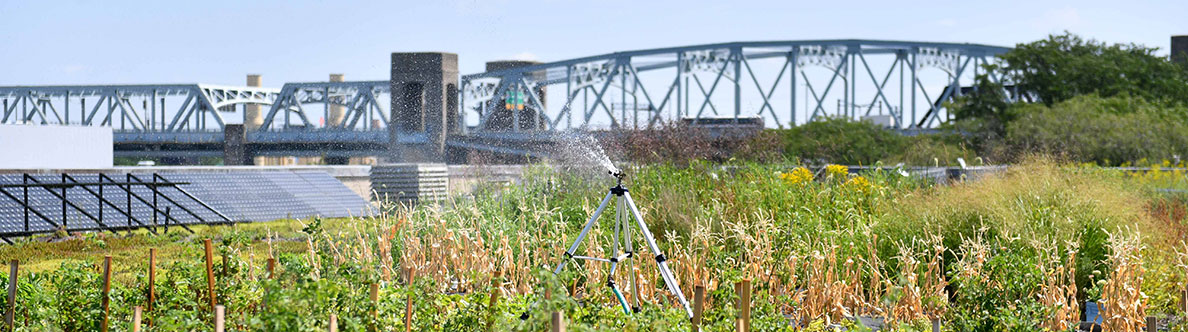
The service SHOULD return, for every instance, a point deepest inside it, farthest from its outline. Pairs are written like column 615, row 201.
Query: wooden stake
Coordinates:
column 10, row 312
column 219, row 323
column 743, row 288
column 333, row 323
column 152, row 278
column 136, row 313
column 106, row 300
column 558, row 322
column 408, row 307
column 1152, row 324
column 269, row 267
column 1184, row 301
column 374, row 297
column 698, row 306
column 495, row 292
column 210, row 282
column 936, row 325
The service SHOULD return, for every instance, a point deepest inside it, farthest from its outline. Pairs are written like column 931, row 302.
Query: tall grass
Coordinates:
column 1019, row 251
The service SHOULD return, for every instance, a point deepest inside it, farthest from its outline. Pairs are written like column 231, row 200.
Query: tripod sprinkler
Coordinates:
column 627, row 217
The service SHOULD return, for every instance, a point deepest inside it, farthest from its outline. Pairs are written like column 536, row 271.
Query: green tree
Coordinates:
column 1065, row 66
column 1120, row 78
column 983, row 114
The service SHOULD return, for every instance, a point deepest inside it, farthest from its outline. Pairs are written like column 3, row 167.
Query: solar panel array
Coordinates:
column 240, row 196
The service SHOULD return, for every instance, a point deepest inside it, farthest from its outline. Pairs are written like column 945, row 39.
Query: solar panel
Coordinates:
column 240, row 196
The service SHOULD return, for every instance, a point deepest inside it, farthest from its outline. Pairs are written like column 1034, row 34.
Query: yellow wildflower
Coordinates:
column 836, row 171
column 860, row 184
column 798, row 176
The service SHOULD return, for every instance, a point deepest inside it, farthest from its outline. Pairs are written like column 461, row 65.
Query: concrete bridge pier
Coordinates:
column 235, row 149
column 424, row 108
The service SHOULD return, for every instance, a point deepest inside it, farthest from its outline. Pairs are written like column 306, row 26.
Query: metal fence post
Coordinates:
column 128, row 192
column 155, row 200
column 64, row 225
column 25, row 178
column 100, row 178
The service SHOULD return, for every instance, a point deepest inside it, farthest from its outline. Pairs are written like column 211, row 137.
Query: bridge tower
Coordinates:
column 337, row 111
column 252, row 115
column 424, row 108
column 235, row 149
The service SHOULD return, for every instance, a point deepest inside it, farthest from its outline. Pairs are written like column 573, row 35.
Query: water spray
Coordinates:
column 625, row 213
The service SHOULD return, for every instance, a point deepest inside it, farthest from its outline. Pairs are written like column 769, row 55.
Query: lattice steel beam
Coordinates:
column 361, row 100
column 112, row 105
column 591, row 82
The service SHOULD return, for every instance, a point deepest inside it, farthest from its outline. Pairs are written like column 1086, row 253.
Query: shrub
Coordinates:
column 841, row 141
column 680, row 144
column 1106, row 131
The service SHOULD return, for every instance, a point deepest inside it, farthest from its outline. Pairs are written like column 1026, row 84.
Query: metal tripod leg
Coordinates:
column 661, row 263
column 581, row 236
column 630, row 254
column 621, row 226
column 631, row 270
column 576, row 242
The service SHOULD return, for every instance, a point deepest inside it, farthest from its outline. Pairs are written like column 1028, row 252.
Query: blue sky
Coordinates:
column 98, row 42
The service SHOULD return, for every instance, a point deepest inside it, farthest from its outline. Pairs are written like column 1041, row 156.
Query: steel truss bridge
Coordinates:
column 188, row 119
column 727, row 80
column 782, row 82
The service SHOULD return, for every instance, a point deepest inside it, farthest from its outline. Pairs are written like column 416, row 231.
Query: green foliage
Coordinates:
column 841, row 141
column 1003, row 295
column 1100, row 103
column 845, row 142
column 1065, row 66
column 1105, row 131
column 734, row 218
column 983, row 114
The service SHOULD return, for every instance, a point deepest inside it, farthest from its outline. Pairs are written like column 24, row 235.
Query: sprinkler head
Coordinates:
column 618, row 175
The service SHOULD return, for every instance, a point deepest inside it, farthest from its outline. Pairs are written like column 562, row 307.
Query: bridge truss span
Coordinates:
column 139, row 108
column 784, row 82
column 360, row 101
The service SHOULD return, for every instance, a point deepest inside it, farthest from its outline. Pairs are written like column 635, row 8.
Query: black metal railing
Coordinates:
column 158, row 186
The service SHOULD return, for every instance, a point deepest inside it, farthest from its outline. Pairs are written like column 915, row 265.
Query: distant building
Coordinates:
column 1179, row 49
